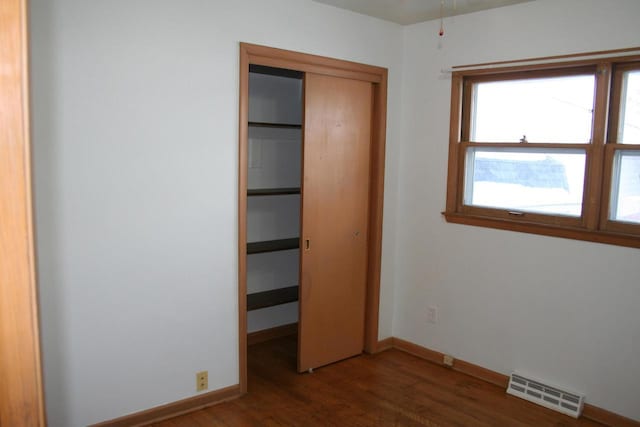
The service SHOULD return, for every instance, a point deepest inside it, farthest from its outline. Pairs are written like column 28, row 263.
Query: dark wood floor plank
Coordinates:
column 387, row 389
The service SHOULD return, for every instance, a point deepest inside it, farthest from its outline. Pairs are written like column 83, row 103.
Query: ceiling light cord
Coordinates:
column 455, row 10
column 441, row 33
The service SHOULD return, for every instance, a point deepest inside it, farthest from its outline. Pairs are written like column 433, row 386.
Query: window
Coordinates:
column 549, row 149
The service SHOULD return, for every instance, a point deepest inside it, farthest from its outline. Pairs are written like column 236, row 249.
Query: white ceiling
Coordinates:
column 413, row 11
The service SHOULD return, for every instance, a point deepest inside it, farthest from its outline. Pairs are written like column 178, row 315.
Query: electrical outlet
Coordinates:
column 432, row 314
column 447, row 360
column 202, row 380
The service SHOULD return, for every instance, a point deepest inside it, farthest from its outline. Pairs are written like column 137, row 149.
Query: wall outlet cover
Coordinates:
column 432, row 314
column 202, row 380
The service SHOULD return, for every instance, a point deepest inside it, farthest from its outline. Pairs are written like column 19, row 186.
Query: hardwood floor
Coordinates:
column 387, row 389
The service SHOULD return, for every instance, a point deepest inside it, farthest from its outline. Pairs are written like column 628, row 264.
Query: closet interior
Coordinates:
column 274, row 169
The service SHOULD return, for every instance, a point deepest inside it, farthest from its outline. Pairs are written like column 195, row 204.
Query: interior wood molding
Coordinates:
column 607, row 418
column 376, row 209
column 243, row 156
column 304, row 62
column 481, row 373
column 437, row 357
column 550, row 58
column 21, row 392
column 417, row 350
column 590, row 412
column 201, row 401
column 174, row 409
column 550, row 230
column 384, row 345
column 272, row 333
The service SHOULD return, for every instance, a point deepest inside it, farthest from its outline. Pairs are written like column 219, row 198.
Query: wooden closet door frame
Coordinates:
column 279, row 58
column 21, row 395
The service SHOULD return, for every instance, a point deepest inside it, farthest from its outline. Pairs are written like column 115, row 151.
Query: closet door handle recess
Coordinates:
column 307, row 245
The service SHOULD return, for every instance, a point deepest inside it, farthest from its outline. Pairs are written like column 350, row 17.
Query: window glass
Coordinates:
column 629, row 127
column 548, row 150
column 555, row 109
column 625, row 192
column 539, row 181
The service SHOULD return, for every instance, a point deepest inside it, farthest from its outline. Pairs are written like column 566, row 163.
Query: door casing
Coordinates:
column 21, row 392
column 279, row 58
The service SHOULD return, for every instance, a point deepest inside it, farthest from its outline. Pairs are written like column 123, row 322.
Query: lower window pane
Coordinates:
column 526, row 180
column 625, row 192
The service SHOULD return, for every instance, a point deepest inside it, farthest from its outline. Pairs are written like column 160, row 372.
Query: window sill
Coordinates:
column 617, row 239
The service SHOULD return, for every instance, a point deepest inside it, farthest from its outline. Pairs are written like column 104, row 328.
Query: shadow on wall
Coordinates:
column 46, row 146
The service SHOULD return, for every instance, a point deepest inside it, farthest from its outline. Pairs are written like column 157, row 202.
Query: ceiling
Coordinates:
column 413, row 11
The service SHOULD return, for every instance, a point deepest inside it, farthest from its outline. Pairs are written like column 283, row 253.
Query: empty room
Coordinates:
column 320, row 212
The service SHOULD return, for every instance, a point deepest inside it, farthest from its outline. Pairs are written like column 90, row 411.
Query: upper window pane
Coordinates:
column 526, row 180
column 629, row 126
column 625, row 194
column 553, row 109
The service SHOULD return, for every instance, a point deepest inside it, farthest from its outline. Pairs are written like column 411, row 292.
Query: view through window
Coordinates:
column 548, row 148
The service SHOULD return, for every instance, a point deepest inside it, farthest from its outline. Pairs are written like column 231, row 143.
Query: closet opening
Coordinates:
column 274, row 165
column 311, row 182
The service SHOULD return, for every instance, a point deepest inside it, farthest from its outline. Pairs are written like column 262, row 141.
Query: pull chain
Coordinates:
column 441, row 33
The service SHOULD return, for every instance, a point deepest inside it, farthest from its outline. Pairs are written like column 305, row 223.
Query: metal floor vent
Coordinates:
column 568, row 403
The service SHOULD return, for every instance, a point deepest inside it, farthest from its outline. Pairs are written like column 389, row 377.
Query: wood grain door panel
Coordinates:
column 337, row 141
column 21, row 396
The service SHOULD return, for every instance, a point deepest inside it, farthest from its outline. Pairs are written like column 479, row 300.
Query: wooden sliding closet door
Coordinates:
column 335, row 199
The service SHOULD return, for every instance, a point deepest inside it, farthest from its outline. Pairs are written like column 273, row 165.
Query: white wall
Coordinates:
column 135, row 114
column 561, row 310
column 135, row 147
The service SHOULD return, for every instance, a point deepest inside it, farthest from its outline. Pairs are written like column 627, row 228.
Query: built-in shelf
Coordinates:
column 273, row 191
column 272, row 71
column 275, row 125
column 272, row 245
column 271, row 298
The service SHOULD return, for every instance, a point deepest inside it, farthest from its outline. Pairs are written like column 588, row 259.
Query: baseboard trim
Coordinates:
column 419, row 351
column 272, row 333
column 174, row 409
column 384, row 344
column 607, row 417
column 205, row 400
column 590, row 412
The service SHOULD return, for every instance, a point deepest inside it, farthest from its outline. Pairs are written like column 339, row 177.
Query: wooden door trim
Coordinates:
column 272, row 57
column 376, row 205
column 304, row 62
column 21, row 395
column 243, row 134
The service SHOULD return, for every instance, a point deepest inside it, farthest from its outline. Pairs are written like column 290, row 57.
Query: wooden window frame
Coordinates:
column 613, row 147
column 594, row 223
